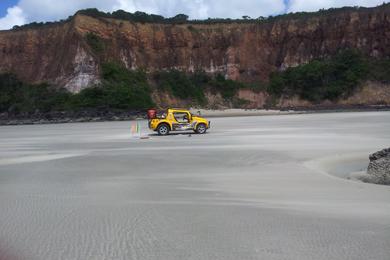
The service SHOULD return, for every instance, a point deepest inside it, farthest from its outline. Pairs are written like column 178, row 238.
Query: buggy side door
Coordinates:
column 182, row 121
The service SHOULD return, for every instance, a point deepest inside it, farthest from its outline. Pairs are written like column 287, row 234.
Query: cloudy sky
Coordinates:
column 18, row 12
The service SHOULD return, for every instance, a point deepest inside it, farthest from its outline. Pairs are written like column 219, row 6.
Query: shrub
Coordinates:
column 115, row 72
column 179, row 19
column 95, row 42
column 227, row 87
column 181, row 85
column 93, row 12
column 317, row 80
column 192, row 86
column 379, row 70
column 121, row 89
column 125, row 89
column 17, row 96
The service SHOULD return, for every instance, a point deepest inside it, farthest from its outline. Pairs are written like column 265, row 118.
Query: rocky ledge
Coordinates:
column 379, row 167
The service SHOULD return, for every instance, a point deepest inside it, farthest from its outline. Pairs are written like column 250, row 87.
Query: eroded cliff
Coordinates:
column 249, row 52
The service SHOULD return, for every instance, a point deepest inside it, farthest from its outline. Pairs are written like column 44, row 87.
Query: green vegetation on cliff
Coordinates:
column 95, row 42
column 193, row 86
column 318, row 80
column 181, row 85
column 17, row 96
column 330, row 78
column 138, row 16
column 120, row 89
column 182, row 18
column 379, row 70
column 143, row 17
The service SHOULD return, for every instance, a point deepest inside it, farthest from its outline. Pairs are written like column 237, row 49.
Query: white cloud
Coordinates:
column 236, row 9
column 308, row 5
column 200, row 9
column 51, row 10
column 13, row 17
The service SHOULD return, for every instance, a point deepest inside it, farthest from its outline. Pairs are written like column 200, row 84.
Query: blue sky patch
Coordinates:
column 5, row 4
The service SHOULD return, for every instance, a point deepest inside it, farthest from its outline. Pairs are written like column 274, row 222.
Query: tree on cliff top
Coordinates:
column 180, row 18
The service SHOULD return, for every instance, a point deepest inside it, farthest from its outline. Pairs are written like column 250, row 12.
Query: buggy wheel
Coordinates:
column 201, row 128
column 163, row 129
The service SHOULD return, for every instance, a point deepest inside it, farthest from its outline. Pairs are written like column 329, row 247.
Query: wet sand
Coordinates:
column 252, row 188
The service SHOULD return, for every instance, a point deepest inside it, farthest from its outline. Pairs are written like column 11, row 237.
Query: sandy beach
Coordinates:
column 273, row 187
column 236, row 112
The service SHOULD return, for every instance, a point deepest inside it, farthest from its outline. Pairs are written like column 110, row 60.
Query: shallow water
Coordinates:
column 252, row 188
column 343, row 165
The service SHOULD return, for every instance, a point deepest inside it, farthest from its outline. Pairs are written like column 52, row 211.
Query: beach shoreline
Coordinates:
column 112, row 116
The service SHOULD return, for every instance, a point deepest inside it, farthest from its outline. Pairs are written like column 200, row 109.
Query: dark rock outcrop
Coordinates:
column 379, row 167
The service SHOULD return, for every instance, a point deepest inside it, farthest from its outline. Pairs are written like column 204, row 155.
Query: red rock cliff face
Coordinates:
column 59, row 53
column 55, row 54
